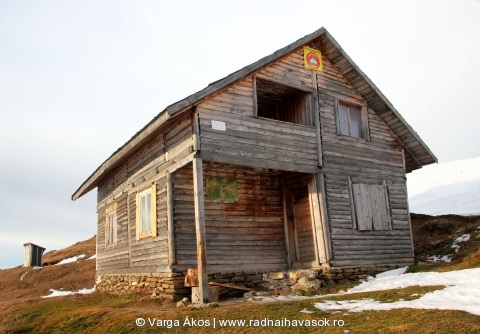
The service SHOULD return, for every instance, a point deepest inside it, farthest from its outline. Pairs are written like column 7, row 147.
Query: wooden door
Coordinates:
column 303, row 231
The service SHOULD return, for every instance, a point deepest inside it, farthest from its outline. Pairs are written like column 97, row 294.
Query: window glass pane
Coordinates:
column 342, row 111
column 148, row 213
column 143, row 211
column 355, row 130
column 355, row 115
column 110, row 229
column 344, row 127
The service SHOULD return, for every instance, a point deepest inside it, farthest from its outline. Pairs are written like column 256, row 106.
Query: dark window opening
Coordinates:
column 283, row 103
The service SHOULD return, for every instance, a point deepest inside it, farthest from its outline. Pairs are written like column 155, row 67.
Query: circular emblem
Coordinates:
column 313, row 61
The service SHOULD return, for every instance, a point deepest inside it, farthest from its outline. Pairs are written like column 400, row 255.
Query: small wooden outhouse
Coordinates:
column 32, row 255
column 295, row 161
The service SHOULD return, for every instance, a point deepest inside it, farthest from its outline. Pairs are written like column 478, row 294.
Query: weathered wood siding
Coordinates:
column 243, row 235
column 258, row 142
column 365, row 162
column 137, row 173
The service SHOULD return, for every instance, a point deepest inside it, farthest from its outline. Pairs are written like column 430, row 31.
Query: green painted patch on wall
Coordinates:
column 221, row 189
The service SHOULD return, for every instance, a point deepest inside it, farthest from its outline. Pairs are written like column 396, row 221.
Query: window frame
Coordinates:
column 111, row 231
column 153, row 213
column 364, row 124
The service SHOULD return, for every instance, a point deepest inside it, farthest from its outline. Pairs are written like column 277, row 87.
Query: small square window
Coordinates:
column 147, row 213
column 111, row 225
column 351, row 120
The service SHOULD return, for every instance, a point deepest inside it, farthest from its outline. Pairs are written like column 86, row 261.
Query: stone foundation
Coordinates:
column 157, row 285
column 346, row 274
column 171, row 285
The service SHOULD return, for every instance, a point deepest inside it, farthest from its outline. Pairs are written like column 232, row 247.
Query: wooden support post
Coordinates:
column 171, row 235
column 255, row 101
column 317, row 227
column 196, row 131
column 285, row 225
column 408, row 204
column 316, row 119
column 200, row 229
column 319, row 178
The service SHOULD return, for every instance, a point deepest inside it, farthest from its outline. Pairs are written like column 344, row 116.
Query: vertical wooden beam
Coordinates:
column 406, row 202
column 129, row 228
column 255, row 105
column 195, row 131
column 285, row 225
column 170, row 230
column 352, row 203
column 320, row 182
column 365, row 123
column 317, row 226
column 387, row 203
column 336, row 111
column 316, row 119
column 200, row 229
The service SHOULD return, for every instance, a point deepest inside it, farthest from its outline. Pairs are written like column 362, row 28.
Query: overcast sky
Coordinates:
column 79, row 78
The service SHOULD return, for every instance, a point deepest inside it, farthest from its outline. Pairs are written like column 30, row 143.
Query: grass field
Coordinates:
column 22, row 311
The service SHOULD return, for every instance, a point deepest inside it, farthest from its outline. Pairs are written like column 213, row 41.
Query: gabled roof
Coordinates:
column 417, row 152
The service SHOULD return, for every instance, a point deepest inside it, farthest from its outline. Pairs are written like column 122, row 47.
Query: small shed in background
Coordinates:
column 33, row 255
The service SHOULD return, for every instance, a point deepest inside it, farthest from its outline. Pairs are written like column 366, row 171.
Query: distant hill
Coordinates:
column 446, row 188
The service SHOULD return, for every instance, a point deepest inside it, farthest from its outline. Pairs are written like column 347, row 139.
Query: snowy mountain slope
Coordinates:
column 446, row 188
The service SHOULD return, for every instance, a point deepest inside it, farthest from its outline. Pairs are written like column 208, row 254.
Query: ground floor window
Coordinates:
column 147, row 213
column 111, row 225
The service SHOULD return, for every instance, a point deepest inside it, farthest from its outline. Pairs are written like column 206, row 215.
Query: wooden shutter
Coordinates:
column 371, row 207
column 363, row 209
column 336, row 112
column 365, row 125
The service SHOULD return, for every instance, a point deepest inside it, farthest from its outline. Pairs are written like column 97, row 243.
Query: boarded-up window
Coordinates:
column 221, row 189
column 147, row 213
column 111, row 225
column 371, row 210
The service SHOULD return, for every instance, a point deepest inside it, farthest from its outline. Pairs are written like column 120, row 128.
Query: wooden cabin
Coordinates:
column 273, row 167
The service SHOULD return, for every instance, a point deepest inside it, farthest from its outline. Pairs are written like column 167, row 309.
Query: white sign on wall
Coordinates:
column 217, row 125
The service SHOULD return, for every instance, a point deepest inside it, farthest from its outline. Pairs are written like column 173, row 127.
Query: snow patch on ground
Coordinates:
column 461, row 292
column 23, row 276
column 436, row 259
column 94, row 256
column 58, row 293
column 446, row 188
column 70, row 259
column 456, row 242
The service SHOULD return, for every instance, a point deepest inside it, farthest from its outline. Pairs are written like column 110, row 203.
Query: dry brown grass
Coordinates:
column 23, row 311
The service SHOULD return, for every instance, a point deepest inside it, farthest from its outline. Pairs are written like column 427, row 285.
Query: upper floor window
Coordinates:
column 111, row 225
column 351, row 120
column 147, row 213
column 287, row 102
